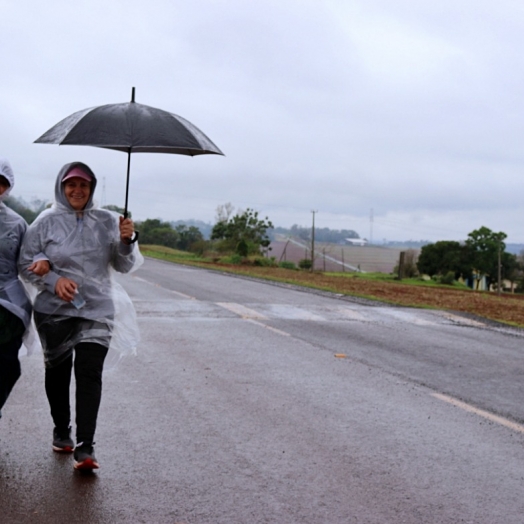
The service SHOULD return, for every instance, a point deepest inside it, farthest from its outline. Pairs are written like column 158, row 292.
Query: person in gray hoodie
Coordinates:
column 15, row 307
column 74, row 309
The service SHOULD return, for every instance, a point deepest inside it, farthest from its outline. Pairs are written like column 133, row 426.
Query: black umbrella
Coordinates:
column 132, row 128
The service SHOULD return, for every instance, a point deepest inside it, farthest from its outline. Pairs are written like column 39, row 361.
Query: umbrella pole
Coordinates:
column 126, row 214
column 128, row 162
column 127, row 181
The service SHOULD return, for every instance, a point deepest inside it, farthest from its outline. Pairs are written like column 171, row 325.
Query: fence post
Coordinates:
column 401, row 265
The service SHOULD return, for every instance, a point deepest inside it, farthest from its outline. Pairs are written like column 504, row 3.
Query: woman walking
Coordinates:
column 15, row 307
column 74, row 310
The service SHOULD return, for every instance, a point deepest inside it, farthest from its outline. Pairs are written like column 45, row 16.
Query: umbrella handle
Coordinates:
column 134, row 238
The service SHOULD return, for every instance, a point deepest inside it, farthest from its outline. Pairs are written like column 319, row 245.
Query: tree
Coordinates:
column 444, row 256
column 28, row 211
column 304, row 233
column 224, row 212
column 244, row 233
column 204, row 227
column 485, row 246
column 511, row 268
column 154, row 231
column 519, row 272
column 187, row 236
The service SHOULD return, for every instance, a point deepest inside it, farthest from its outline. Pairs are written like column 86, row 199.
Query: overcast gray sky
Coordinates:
column 410, row 108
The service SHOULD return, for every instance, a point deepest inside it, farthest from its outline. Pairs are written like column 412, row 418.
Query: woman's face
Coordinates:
column 77, row 191
column 4, row 185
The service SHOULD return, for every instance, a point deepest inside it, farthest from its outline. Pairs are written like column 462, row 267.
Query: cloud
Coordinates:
column 409, row 109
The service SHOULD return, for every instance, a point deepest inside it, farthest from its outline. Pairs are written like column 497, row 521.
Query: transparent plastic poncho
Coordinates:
column 86, row 248
column 13, row 295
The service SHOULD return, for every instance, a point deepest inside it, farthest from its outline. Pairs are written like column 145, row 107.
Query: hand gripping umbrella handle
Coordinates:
column 134, row 238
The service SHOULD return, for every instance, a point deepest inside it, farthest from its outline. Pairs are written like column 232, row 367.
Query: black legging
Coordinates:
column 88, row 364
column 11, row 332
column 9, row 367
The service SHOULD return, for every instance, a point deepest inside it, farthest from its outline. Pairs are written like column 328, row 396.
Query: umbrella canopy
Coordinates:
column 131, row 128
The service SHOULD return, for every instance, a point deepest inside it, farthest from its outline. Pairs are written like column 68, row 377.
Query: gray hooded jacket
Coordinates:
column 83, row 249
column 12, row 229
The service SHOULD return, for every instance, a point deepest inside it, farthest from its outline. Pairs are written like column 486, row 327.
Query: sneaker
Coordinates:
column 62, row 442
column 85, row 457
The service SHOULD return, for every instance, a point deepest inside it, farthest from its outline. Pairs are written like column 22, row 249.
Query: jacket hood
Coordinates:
column 7, row 171
column 60, row 197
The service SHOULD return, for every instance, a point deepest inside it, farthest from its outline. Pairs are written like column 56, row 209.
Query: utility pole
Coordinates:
column 313, row 241
column 371, row 226
column 499, row 283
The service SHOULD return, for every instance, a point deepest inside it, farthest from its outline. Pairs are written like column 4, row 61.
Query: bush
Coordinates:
column 264, row 262
column 242, row 248
column 199, row 247
column 287, row 264
column 232, row 259
column 224, row 246
column 305, row 263
column 448, row 278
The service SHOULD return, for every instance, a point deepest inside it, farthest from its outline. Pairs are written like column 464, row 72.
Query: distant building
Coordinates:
column 356, row 241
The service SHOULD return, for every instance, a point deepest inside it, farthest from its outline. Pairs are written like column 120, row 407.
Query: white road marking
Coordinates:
column 312, row 314
column 242, row 311
column 351, row 314
column 177, row 293
column 485, row 414
column 289, row 312
column 275, row 330
column 250, row 315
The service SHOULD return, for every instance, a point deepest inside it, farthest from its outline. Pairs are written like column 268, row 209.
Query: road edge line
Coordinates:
column 480, row 412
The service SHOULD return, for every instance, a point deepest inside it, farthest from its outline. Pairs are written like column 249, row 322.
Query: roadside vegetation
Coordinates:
column 444, row 275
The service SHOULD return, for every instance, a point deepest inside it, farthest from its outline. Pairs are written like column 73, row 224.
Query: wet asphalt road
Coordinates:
column 255, row 403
